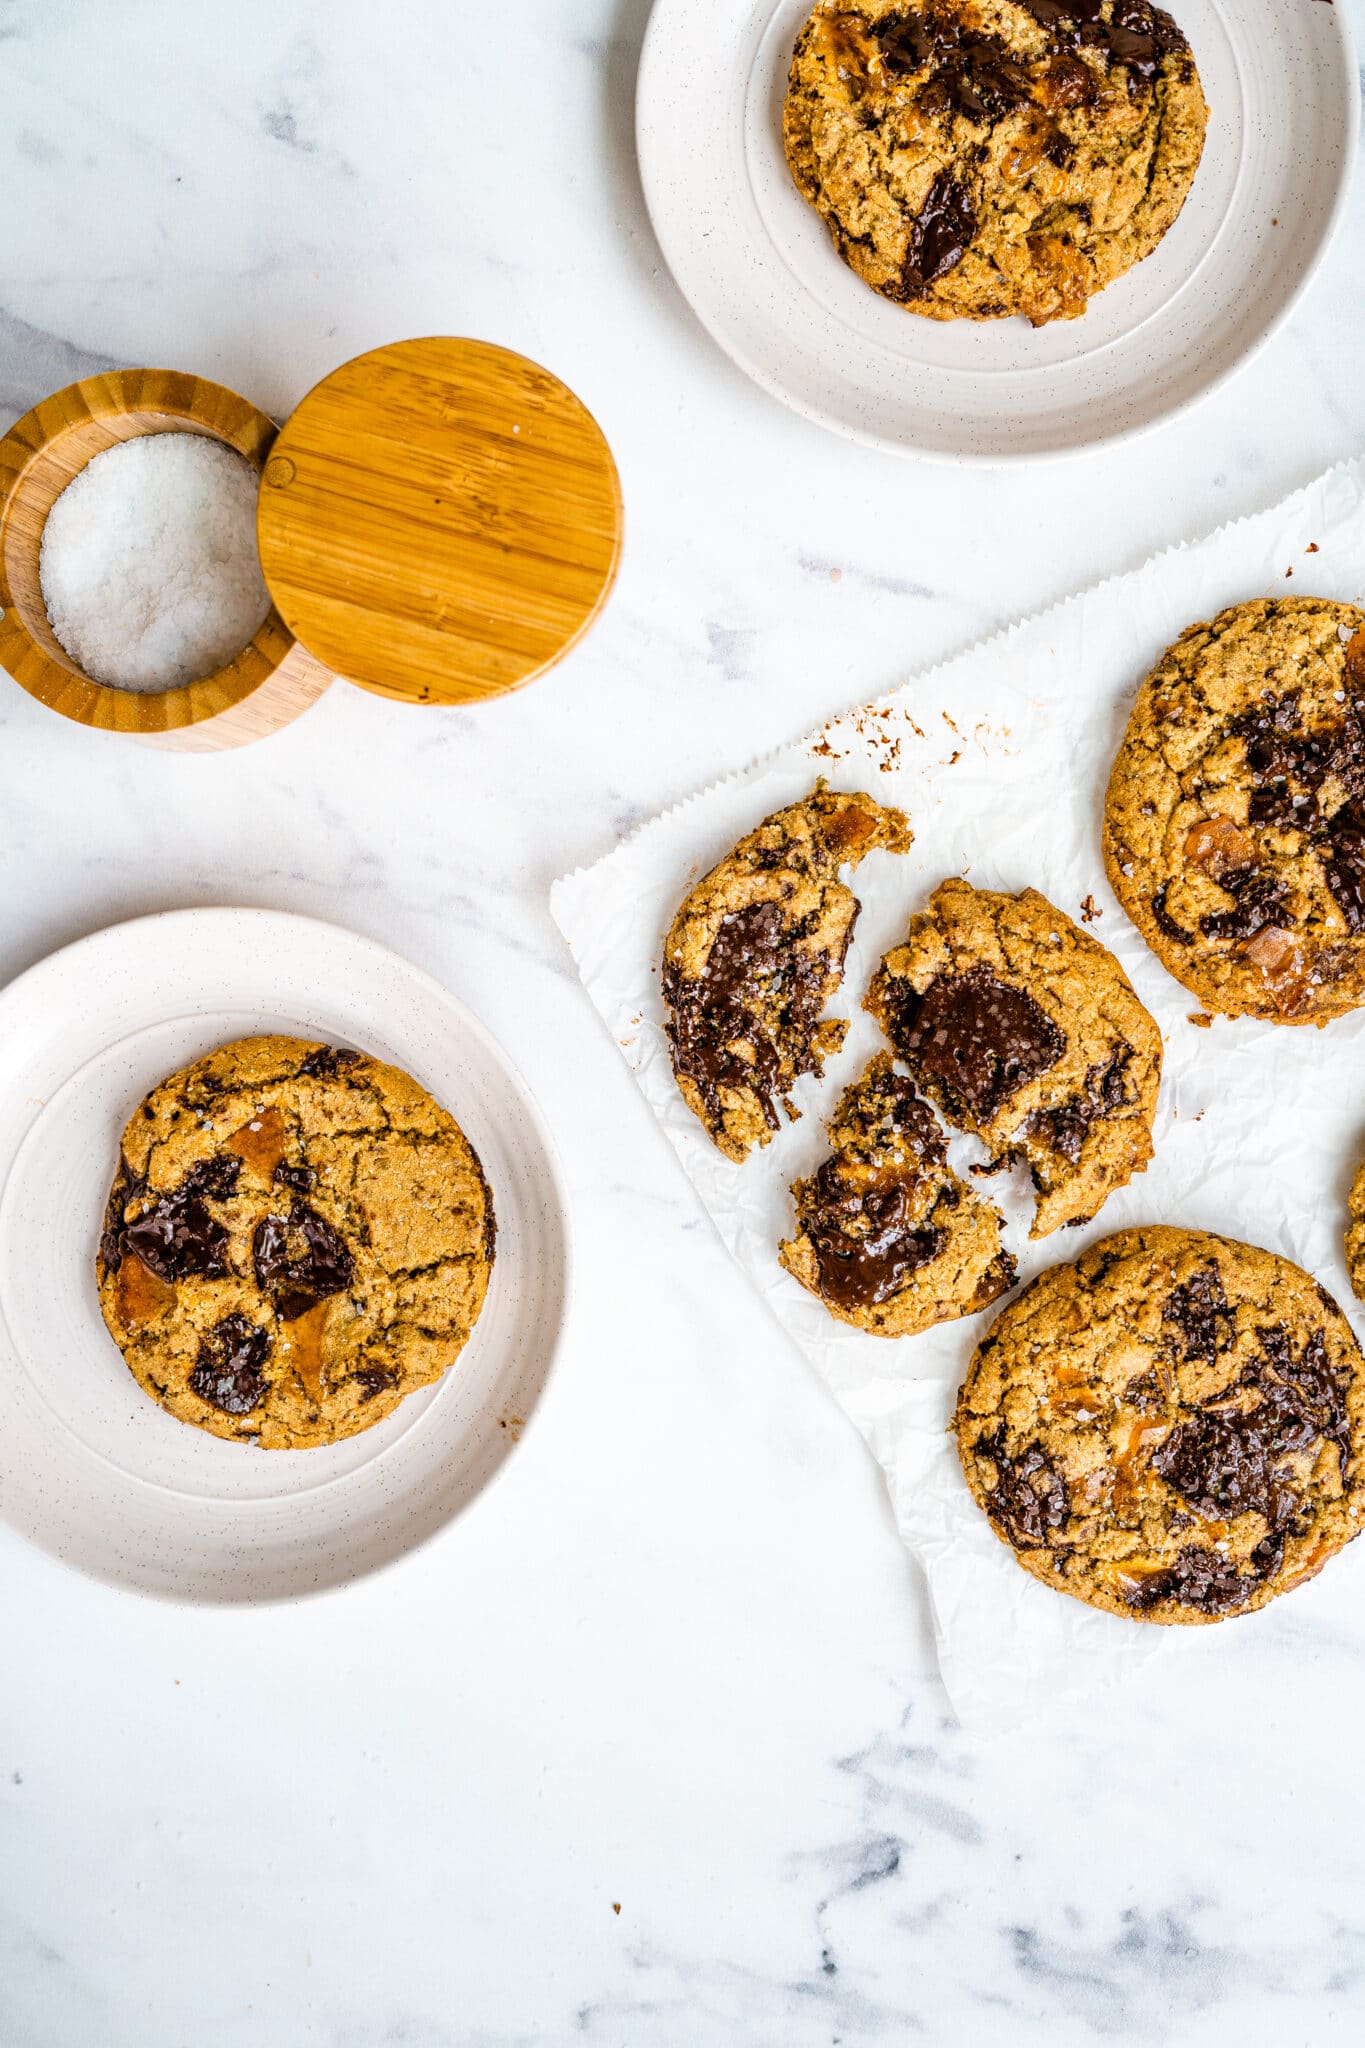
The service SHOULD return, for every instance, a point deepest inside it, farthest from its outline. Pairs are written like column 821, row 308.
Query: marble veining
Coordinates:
column 677, row 1662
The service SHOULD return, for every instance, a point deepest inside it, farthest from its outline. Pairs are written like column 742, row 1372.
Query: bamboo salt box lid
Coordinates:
column 438, row 521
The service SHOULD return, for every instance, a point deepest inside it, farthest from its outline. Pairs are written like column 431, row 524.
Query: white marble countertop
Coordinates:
column 677, row 1661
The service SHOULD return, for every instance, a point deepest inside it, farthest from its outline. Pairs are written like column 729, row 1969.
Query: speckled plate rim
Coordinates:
column 166, row 927
column 694, row 241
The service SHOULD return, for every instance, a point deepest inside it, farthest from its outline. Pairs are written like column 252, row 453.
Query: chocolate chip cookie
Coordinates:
column 1355, row 1233
column 886, row 1234
column 1025, row 1031
column 297, row 1237
column 1234, row 825
column 754, row 954
column 1171, row 1428
column 979, row 158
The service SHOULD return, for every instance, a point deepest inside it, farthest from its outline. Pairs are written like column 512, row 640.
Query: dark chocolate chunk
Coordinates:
column 128, row 1186
column 1030, row 1496
column 939, row 235
column 327, row 1061
column 753, row 964
column 1343, row 863
column 1136, row 35
column 1200, row 1579
column 373, row 1379
column 911, row 1115
column 863, row 1246
column 1065, row 1128
column 298, row 1178
column 1165, row 922
column 299, row 1260
column 1200, row 1314
column 971, row 73
column 1145, row 1394
column 227, row 1372
column 1258, row 901
column 1276, row 804
column 1220, row 1460
column 179, row 1235
column 1223, row 1459
column 907, row 42
column 1309, row 1382
column 980, row 1039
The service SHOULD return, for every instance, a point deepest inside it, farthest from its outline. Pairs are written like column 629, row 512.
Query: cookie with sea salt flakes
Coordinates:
column 887, row 1235
column 1024, row 1030
column 1234, row 823
column 1171, row 1429
column 755, row 952
column 974, row 159
column 297, row 1237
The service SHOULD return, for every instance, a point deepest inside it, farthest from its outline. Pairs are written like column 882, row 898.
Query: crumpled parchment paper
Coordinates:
column 1001, row 757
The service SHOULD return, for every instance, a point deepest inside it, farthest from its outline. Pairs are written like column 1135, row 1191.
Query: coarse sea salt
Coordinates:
column 149, row 568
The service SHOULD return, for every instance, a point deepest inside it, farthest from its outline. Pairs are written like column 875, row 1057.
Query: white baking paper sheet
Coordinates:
column 1001, row 758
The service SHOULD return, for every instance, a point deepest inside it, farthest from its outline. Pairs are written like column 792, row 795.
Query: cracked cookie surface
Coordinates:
column 887, row 1235
column 297, row 1237
column 1234, row 824
column 981, row 158
column 1025, row 1031
column 1171, row 1428
column 756, row 951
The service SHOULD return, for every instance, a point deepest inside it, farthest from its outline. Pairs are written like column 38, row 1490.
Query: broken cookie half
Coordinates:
column 1025, row 1031
column 886, row 1234
column 754, row 954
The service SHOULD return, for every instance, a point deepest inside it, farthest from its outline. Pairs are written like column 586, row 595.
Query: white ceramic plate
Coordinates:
column 760, row 270
column 90, row 1468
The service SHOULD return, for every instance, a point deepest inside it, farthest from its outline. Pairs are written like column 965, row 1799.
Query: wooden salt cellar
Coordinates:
column 439, row 521
column 271, row 681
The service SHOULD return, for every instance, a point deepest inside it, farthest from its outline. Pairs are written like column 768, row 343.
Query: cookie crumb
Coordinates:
column 1090, row 910
column 1201, row 1018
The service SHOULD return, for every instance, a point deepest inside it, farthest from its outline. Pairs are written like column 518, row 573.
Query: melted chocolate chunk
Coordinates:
column 753, row 963
column 1223, row 1460
column 1065, row 1128
column 179, row 1235
column 228, row 1371
column 299, row 1259
column 327, row 1062
column 862, row 1243
column 373, row 1380
column 907, row 42
column 979, row 1038
column 1030, row 1495
column 1309, row 1382
column 1200, row 1579
column 1220, row 1461
column 1258, row 901
column 1201, row 1316
column 939, row 235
